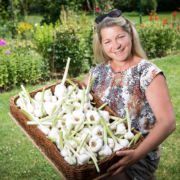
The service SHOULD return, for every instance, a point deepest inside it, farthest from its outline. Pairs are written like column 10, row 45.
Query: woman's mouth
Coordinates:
column 119, row 52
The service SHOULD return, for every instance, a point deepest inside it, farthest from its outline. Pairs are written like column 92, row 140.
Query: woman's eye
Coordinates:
column 120, row 37
column 107, row 42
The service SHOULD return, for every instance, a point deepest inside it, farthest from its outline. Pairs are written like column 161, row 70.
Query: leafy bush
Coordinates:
column 158, row 39
column 20, row 68
column 66, row 45
column 70, row 38
column 43, row 37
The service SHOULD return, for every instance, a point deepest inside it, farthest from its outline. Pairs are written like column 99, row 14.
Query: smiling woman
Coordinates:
column 127, row 79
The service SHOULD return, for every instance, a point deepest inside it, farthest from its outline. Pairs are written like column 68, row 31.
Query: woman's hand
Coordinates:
column 129, row 158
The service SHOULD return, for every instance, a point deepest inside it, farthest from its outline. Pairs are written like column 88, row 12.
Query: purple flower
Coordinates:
column 7, row 52
column 3, row 43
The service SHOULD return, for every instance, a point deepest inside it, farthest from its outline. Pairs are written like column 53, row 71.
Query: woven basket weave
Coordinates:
column 72, row 172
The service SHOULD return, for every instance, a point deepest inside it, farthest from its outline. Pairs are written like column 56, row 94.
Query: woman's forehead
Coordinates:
column 111, row 31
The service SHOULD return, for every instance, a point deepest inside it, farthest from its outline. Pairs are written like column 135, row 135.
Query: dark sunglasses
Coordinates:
column 112, row 14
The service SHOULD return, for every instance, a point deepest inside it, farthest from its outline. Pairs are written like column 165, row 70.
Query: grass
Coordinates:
column 132, row 16
column 19, row 159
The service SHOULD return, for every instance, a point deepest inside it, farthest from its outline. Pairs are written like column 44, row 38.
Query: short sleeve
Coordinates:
column 148, row 72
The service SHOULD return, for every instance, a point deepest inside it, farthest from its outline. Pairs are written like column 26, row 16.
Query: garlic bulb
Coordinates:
column 95, row 143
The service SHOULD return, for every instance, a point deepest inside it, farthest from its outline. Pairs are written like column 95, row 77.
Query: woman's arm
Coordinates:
column 159, row 100
column 85, row 80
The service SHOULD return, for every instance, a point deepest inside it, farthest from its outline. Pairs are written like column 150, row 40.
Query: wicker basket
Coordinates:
column 71, row 172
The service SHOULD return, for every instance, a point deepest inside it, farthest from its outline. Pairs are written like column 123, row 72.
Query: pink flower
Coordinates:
column 97, row 9
column 7, row 52
column 3, row 43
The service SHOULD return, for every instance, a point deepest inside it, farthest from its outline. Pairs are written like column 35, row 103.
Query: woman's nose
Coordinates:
column 116, row 45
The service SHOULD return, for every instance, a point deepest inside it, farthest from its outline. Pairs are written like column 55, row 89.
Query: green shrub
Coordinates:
column 43, row 37
column 70, row 38
column 157, row 39
column 24, row 68
column 67, row 44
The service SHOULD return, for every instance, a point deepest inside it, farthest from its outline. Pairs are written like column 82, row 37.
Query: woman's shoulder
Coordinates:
column 100, row 67
column 147, row 66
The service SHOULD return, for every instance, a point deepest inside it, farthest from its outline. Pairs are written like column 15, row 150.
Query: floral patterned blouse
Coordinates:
column 126, row 89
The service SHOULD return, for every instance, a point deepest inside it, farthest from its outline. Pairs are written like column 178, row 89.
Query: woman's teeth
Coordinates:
column 119, row 52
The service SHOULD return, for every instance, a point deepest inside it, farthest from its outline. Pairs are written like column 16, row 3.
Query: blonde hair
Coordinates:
column 126, row 25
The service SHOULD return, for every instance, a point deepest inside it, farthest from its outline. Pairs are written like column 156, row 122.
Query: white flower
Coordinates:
column 41, row 26
column 36, row 24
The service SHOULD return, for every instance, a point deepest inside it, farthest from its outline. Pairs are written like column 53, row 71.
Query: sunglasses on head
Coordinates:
column 112, row 14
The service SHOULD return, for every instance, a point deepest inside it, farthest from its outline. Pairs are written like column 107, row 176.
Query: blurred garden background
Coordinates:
column 37, row 37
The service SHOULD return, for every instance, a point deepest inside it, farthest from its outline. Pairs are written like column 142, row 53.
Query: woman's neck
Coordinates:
column 118, row 66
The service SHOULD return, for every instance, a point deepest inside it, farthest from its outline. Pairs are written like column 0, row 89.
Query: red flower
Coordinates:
column 178, row 28
column 150, row 18
column 165, row 19
column 97, row 9
column 156, row 18
column 174, row 13
column 179, row 8
column 165, row 22
column 142, row 25
column 151, row 13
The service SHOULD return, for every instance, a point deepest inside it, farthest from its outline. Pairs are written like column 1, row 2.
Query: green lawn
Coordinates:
column 19, row 159
column 132, row 16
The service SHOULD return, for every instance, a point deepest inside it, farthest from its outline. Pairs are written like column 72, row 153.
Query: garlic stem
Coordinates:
column 51, row 139
column 77, row 128
column 71, row 91
column 91, row 122
column 92, row 83
column 118, row 121
column 41, row 101
column 90, row 151
column 61, row 140
column 109, row 131
column 66, row 71
column 22, row 101
column 128, row 120
column 102, row 106
column 82, row 100
column 75, row 140
column 70, row 158
column 132, row 140
column 35, row 123
column 72, row 105
column 28, row 114
column 82, row 143
column 69, row 130
column 46, row 118
column 72, row 100
column 52, row 111
column 32, row 102
column 54, row 119
column 137, row 137
column 70, row 82
column 67, row 110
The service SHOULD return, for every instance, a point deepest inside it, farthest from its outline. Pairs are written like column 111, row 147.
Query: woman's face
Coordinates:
column 117, row 43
